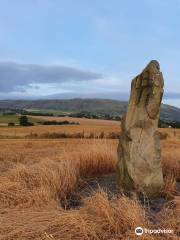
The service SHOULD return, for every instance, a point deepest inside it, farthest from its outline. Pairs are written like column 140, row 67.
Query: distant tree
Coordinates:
column 23, row 121
column 8, row 113
column 117, row 118
column 168, row 124
column 59, row 123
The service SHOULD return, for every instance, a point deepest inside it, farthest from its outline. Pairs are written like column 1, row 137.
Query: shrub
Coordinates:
column 11, row 124
column 23, row 121
column 163, row 135
column 59, row 123
column 102, row 135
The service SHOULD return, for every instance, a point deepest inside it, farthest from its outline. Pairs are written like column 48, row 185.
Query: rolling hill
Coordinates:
column 108, row 106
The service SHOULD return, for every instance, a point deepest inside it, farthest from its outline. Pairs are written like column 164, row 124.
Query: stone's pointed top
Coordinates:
column 155, row 63
column 153, row 67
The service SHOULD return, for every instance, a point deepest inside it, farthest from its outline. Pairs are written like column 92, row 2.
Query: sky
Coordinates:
column 83, row 48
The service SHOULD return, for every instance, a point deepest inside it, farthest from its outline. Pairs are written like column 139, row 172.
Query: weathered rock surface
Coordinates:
column 139, row 152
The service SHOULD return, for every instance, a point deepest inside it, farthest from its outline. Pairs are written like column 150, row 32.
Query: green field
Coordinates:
column 48, row 111
column 5, row 119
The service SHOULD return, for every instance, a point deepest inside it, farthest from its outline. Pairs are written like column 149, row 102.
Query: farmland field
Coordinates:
column 86, row 125
column 42, row 184
column 14, row 118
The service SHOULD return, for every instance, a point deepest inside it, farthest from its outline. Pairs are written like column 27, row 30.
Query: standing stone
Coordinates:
column 139, row 152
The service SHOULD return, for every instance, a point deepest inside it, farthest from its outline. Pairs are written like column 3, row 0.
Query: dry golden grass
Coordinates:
column 86, row 125
column 35, row 175
column 51, row 175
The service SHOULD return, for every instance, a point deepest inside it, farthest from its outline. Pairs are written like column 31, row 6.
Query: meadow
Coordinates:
column 63, row 189
column 14, row 118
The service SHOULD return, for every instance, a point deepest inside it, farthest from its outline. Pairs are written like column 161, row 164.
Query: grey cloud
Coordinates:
column 16, row 76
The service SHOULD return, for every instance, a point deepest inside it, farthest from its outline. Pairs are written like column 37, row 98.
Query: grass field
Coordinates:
column 86, row 125
column 44, row 111
column 95, row 126
column 5, row 119
column 39, row 177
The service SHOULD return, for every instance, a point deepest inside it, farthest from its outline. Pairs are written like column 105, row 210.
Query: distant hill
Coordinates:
column 113, row 107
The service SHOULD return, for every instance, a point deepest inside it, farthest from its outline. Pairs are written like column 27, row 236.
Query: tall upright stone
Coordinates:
column 139, row 152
